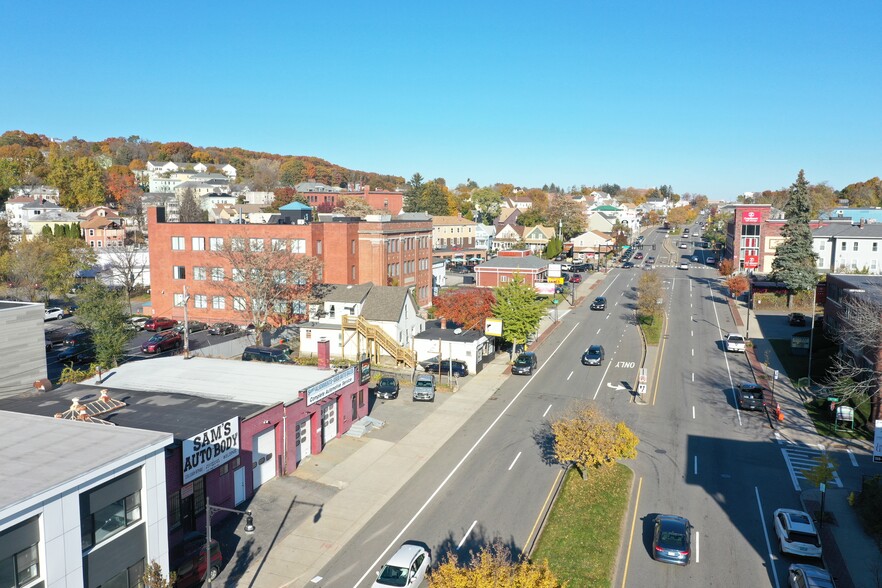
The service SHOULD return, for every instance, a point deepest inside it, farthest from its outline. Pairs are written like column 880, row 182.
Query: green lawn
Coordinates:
column 819, row 411
column 652, row 329
column 582, row 536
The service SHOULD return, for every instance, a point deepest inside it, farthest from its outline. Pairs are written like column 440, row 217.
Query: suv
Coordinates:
column 599, row 303
column 458, row 369
column 751, row 396
column 593, row 355
column 525, row 364
column 795, row 319
column 735, row 342
column 424, row 389
column 78, row 352
column 162, row 342
column 796, row 533
column 53, row 314
column 159, row 323
column 275, row 354
column 189, row 560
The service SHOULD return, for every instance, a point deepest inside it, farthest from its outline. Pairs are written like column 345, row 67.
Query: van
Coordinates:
column 275, row 354
column 424, row 388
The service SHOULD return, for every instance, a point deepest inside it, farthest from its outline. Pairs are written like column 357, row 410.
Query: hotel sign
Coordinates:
column 327, row 387
column 750, row 217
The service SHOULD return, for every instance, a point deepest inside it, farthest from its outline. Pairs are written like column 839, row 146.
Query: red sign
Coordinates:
column 751, row 261
column 750, row 217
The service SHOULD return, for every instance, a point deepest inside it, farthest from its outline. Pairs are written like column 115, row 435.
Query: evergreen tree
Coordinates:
column 413, row 196
column 520, row 311
column 435, row 200
column 554, row 248
column 190, row 211
column 795, row 260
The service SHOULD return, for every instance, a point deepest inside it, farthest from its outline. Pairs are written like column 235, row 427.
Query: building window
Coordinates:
column 298, row 307
column 239, row 303
column 216, row 243
column 218, row 302
column 179, row 300
column 318, row 247
column 255, row 244
column 179, row 272
column 133, row 577
column 200, row 301
column 177, row 243
column 238, row 275
column 278, row 244
column 280, row 307
column 875, row 246
column 217, row 274
column 91, row 232
column 331, row 311
column 237, row 244
column 199, row 273
column 20, row 568
column 198, row 243
column 353, row 272
column 843, row 245
column 110, row 520
column 352, row 246
column 503, row 278
column 309, row 333
column 299, row 279
column 279, row 277
column 855, row 246
column 822, row 246
column 299, row 246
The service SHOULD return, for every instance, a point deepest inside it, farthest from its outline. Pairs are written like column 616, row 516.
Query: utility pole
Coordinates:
column 186, row 325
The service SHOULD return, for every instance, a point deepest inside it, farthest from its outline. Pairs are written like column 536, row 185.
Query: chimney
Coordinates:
column 443, row 322
column 324, row 354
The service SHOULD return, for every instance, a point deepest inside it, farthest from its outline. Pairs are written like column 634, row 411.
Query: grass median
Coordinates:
column 652, row 328
column 582, row 535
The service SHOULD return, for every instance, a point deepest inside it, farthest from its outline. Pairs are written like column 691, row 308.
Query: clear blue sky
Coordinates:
column 711, row 97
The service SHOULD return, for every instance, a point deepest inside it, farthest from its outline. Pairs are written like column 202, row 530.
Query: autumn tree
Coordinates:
column 727, row 267
column 42, row 266
column 737, row 285
column 568, row 214
column 492, row 567
column 681, row 215
column 649, row 292
column 102, row 311
column 588, row 440
column 121, row 182
column 488, row 203
column 80, row 181
column 653, row 217
column 538, row 198
column 153, row 577
column 699, row 201
column 795, row 258
column 264, row 174
column 267, row 286
column 354, row 206
column 466, row 307
column 531, row 218
column 190, row 211
column 519, row 310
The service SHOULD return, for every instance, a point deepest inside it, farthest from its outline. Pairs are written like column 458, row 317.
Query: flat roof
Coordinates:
column 250, row 382
column 38, row 454
column 10, row 304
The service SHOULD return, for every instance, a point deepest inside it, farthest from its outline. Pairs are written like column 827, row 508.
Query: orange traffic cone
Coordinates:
column 779, row 414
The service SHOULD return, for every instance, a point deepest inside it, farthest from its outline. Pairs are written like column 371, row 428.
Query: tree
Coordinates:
column 727, row 267
column 264, row 174
column 435, row 200
column 102, row 311
column 699, row 201
column 621, row 234
column 519, row 310
column 354, row 206
column 413, row 196
column 153, row 577
column 46, row 265
column 492, row 567
column 795, row 259
column 588, row 440
column 190, row 211
column 488, row 203
column 737, row 285
column 822, row 471
column 121, row 182
column 125, row 266
column 531, row 218
column 5, row 241
column 681, row 215
column 132, row 207
column 554, row 248
column 653, row 217
column 649, row 292
column 611, row 189
column 467, row 307
column 568, row 214
column 268, row 284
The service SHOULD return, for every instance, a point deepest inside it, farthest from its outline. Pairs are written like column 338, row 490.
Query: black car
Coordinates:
column 525, row 364
column 672, row 539
column 751, row 396
column 599, row 303
column 222, row 329
column 627, row 265
column 386, row 388
column 193, row 327
column 458, row 368
column 796, row 319
column 79, row 352
column 593, row 355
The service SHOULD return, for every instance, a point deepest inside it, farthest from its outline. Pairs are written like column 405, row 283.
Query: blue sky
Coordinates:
column 710, row 97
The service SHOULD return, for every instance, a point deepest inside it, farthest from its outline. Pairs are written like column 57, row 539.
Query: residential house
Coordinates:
column 508, row 237
column 453, row 232
column 103, row 231
column 41, row 192
column 509, row 265
column 522, row 203
column 15, row 211
column 262, row 198
column 590, row 245
column 234, row 213
column 52, row 220
column 507, row 216
column 599, row 221
column 484, row 235
column 847, row 248
column 35, row 208
column 468, row 346
column 537, row 238
column 439, row 274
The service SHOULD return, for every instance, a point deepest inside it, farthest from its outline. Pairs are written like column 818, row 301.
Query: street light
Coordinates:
column 210, row 510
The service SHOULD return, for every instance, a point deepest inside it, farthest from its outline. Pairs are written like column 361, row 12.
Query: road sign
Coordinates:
column 776, row 374
column 642, row 377
column 641, row 389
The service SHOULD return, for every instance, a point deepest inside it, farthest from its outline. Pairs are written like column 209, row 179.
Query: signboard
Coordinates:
column 554, row 270
column 751, row 261
column 327, row 387
column 877, row 443
column 556, row 280
column 641, row 389
column 776, row 374
column 364, row 370
column 493, row 327
column 750, row 217
column 642, row 377
column 545, row 288
column 210, row 449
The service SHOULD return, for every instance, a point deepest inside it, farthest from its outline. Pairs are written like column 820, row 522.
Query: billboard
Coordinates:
column 751, row 261
column 210, row 449
column 750, row 217
column 327, row 387
column 554, row 270
column 493, row 327
column 545, row 288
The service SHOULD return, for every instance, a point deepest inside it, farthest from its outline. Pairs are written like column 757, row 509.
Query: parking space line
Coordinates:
column 568, row 379
column 546, row 411
column 852, row 458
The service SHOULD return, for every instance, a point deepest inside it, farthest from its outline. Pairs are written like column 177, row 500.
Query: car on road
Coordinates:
column 193, row 327
column 161, row 342
column 672, row 539
column 424, row 388
column 684, row 246
column 446, row 367
column 751, row 396
column 695, row 258
column 159, row 323
column 189, row 562
column 222, row 329
column 796, row 533
column 593, row 355
column 650, row 260
column 638, row 255
column 575, row 279
column 711, row 260
column 796, row 319
column 808, row 576
column 136, row 323
column 408, row 567
column 525, row 364
column 627, row 265
column 53, row 314
column 387, row 388
column 599, row 303
column 683, row 266
column 735, row 343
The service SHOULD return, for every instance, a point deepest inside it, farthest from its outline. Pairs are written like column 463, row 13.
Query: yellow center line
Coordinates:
column 631, row 538
column 544, row 506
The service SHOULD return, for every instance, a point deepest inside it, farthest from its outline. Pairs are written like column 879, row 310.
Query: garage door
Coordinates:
column 264, row 460
column 304, row 440
column 329, row 421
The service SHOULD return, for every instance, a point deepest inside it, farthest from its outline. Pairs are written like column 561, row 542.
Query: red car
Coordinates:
column 161, row 342
column 575, row 279
column 159, row 323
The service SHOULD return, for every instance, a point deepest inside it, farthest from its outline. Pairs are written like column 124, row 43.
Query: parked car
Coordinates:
column 599, row 303
column 424, row 388
column 386, row 388
column 736, row 343
column 77, row 338
column 627, row 265
column 695, row 258
column 796, row 532
column 194, row 327
column 458, row 368
column 638, row 255
column 137, row 322
column 408, row 567
column 683, row 266
column 159, row 323
column 808, row 576
column 684, row 246
column 525, row 364
column 671, row 539
column 710, row 260
column 161, row 342
column 274, row 354
column 575, row 279
column 189, row 561
column 796, row 319
column 222, row 329
column 78, row 352
column 53, row 314
column 751, row 396
column 593, row 355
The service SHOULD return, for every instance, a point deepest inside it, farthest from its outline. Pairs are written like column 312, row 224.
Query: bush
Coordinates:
column 868, row 505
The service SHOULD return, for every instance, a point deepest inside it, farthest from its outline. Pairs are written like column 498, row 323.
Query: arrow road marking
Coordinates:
column 616, row 387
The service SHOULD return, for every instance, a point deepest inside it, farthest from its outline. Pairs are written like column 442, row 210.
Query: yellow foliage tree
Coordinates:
column 588, row 439
column 492, row 567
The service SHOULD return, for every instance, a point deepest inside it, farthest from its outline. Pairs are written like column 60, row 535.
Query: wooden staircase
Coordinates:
column 378, row 338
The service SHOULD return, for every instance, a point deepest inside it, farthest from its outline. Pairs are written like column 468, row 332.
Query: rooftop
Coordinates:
column 843, row 230
column 528, row 262
column 437, row 333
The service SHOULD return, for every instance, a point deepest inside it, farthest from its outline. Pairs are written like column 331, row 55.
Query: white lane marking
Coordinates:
column 691, row 333
column 693, row 376
column 598, row 331
column 546, row 411
column 515, row 461
column 728, row 370
column 617, row 303
column 693, row 412
column 568, row 379
column 695, row 467
column 693, row 352
column 697, row 543
column 602, row 379
column 851, row 457
column 607, row 316
column 455, row 469
column 610, row 284
column 759, row 504
column 778, row 437
column 467, row 533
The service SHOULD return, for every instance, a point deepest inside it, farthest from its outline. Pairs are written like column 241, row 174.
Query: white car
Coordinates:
column 51, row 314
column 683, row 266
column 684, row 246
column 735, row 342
column 796, row 533
column 136, row 323
column 407, row 567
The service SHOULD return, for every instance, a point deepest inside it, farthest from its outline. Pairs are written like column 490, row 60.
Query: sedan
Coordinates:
column 627, row 265
column 684, row 246
column 222, row 329
column 796, row 319
column 683, row 266
column 695, row 258
column 386, row 388
column 599, row 303
column 807, row 576
column 575, row 279
column 193, row 327
column 671, row 539
column 796, row 533
column 159, row 323
column 407, row 567
column 638, row 255
column 593, row 355
column 161, row 342
column 53, row 314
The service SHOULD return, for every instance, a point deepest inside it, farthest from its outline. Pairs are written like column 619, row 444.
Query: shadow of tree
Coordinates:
column 467, row 550
column 543, row 436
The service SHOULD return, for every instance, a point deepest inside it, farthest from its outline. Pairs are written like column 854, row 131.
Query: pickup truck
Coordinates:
column 735, row 342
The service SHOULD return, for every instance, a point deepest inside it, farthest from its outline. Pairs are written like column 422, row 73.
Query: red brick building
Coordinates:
column 507, row 265
column 380, row 249
column 391, row 202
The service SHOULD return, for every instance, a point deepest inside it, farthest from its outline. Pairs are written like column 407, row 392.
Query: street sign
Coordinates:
column 642, row 378
column 776, row 374
column 641, row 389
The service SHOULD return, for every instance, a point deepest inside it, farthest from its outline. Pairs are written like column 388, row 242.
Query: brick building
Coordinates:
column 380, row 248
column 318, row 194
column 507, row 265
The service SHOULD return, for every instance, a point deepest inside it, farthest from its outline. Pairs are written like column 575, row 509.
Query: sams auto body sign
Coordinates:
column 750, row 217
column 209, row 449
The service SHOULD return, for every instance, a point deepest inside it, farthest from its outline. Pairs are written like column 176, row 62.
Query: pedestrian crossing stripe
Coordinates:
column 800, row 459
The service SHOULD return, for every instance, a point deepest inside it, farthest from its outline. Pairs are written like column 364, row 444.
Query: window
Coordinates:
column 238, row 275
column 20, row 568
column 843, row 245
column 239, row 303
column 255, row 244
column 277, row 245
column 110, row 520
column 179, row 272
column 331, row 311
column 279, row 277
column 129, row 578
column 503, row 278
column 353, row 272
column 822, row 246
column 91, row 232
column 200, row 301
column 237, row 244
column 179, row 300
column 216, row 243
column 298, row 307
column 309, row 333
column 199, row 273
column 299, row 279
column 318, row 247
column 198, row 243
column 855, row 246
column 280, row 307
column 218, row 302
column 352, row 246
column 177, row 243
column 299, row 246
column 217, row 274
column 875, row 246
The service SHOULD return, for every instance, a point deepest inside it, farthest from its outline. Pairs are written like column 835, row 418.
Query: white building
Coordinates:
column 484, row 235
column 844, row 248
column 470, row 347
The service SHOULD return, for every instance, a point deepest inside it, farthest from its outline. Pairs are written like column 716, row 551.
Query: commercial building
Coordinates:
column 22, row 347
column 509, row 265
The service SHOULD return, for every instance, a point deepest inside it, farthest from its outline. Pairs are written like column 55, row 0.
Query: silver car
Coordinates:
column 424, row 389
column 407, row 567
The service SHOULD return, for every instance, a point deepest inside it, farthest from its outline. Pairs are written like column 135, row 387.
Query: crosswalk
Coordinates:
column 801, row 458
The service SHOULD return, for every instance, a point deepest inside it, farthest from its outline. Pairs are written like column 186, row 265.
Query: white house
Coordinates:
column 14, row 214
column 844, row 248
column 33, row 209
column 590, row 243
column 35, row 192
column 471, row 347
column 599, row 221
column 484, row 235
column 439, row 275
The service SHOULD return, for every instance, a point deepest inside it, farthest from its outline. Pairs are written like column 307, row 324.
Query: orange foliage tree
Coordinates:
column 737, row 285
column 467, row 307
column 727, row 267
column 120, row 182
